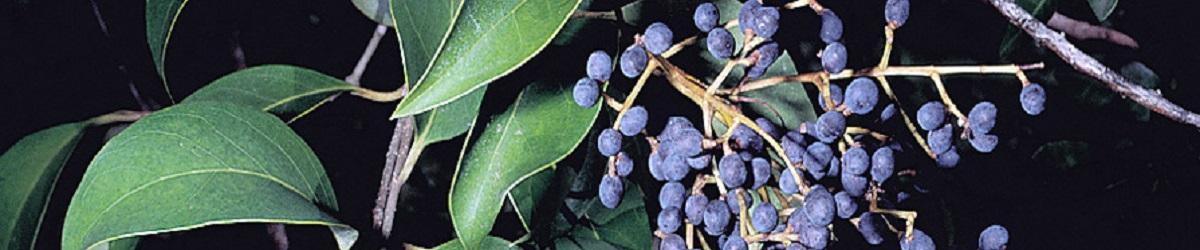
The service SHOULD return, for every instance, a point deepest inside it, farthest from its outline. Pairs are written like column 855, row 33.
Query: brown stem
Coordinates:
column 1083, row 30
column 1090, row 66
column 392, row 179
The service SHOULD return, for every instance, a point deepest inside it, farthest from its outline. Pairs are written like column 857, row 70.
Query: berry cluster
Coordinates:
column 822, row 171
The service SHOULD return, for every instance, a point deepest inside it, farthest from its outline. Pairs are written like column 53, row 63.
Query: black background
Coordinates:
column 1135, row 190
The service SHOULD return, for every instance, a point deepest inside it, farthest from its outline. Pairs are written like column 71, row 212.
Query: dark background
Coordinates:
column 1133, row 189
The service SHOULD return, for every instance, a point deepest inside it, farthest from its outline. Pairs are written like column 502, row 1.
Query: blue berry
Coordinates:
column 655, row 164
column 819, row 206
column 732, row 170
column 633, row 61
column 720, row 43
column 694, row 208
column 796, row 152
column 716, row 217
column 796, row 136
column 931, row 115
column 982, row 117
column 1033, row 99
column 948, row 159
column 883, row 163
column 984, row 143
column 706, row 16
column 787, row 183
column 940, row 139
column 599, row 66
column 856, row 161
column 745, row 138
column 818, row 161
column 674, row 167
column 734, row 242
column 896, row 11
column 768, row 127
column 845, row 205
column 833, row 57
column 814, row 236
column 609, row 142
column 767, row 53
column 746, row 15
column 657, row 38
column 995, row 237
column 762, row 172
column 668, row 220
column 829, row 126
column 611, row 190
column 869, row 225
column 854, row 185
column 835, row 93
column 919, row 241
column 586, row 92
column 700, row 161
column 634, row 120
column 624, row 164
column 831, row 26
column 862, row 95
column 680, row 137
column 671, row 195
column 764, row 217
column 672, row 242
column 766, row 22
column 834, row 167
column 735, row 206
column 888, row 112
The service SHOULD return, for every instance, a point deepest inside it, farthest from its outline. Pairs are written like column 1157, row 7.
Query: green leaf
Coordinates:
column 489, row 40
column 160, row 22
column 1102, row 8
column 377, row 10
column 199, row 164
column 30, row 169
column 448, row 121
column 489, row 242
column 539, row 129
column 624, row 227
column 422, row 28
column 1014, row 38
column 525, row 196
column 284, row 90
column 1062, row 154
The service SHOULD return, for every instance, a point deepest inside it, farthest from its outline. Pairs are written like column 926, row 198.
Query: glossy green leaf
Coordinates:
column 284, row 90
column 377, row 10
column 1103, row 8
column 160, row 22
column 448, row 121
column 525, row 196
column 200, row 164
column 539, row 129
column 488, row 40
column 490, row 242
column 30, row 169
column 422, row 27
column 624, row 227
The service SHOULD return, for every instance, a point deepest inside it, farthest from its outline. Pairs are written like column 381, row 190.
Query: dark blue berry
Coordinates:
column 995, row 237
column 611, row 190
column 984, row 143
column 634, row 120
column 746, row 15
column 706, row 16
column 796, row 152
column 948, row 159
column 869, row 225
column 855, row 161
column 716, row 217
column 919, row 241
column 674, row 167
column 767, row 53
column 599, row 66
column 624, row 164
column 764, row 217
column 668, row 220
column 835, row 93
column 732, row 170
column 735, row 205
column 671, row 195
column 657, row 38
column 818, row 158
column 940, row 139
column 819, row 206
column 982, row 117
column 762, row 172
column 694, row 208
column 831, row 26
column 720, row 43
column 888, row 112
column 609, row 142
column 931, row 115
column 745, row 138
column 633, row 61
column 700, row 161
column 787, row 183
column 829, row 126
column 766, row 21
column 814, row 236
column 896, row 11
column 846, row 207
column 833, row 57
column 883, row 163
column 1033, row 99
column 586, row 92
column 655, row 164
column 862, row 95
column 768, row 127
column 834, row 167
column 672, row 242
column 854, row 185
column 734, row 242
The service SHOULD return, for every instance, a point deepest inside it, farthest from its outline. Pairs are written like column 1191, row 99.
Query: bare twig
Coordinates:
column 603, row 15
column 1083, row 30
column 389, row 183
column 1089, row 66
column 279, row 235
column 365, row 59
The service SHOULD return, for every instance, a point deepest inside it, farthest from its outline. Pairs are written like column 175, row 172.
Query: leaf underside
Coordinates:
column 30, row 170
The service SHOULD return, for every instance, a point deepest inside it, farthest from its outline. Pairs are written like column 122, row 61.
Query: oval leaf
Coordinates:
column 489, row 242
column 30, row 169
column 376, row 10
column 422, row 28
column 160, row 21
column 199, row 164
column 489, row 39
column 539, row 129
column 284, row 90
